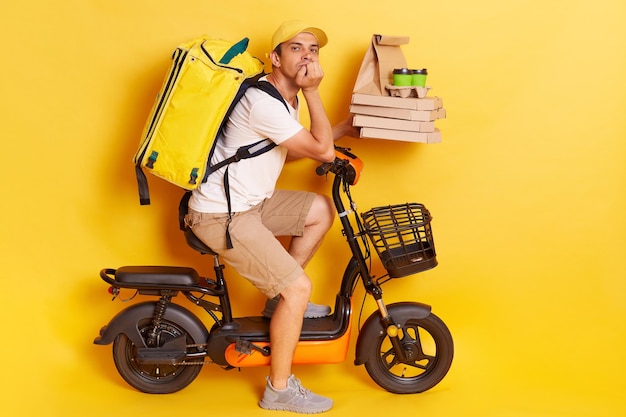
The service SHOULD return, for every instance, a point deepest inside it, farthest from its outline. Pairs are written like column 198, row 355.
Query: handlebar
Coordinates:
column 324, row 168
column 346, row 165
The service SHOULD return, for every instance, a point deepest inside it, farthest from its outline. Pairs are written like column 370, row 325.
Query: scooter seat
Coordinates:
column 192, row 240
column 195, row 243
column 159, row 275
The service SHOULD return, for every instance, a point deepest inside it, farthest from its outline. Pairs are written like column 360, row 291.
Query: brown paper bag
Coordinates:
column 382, row 57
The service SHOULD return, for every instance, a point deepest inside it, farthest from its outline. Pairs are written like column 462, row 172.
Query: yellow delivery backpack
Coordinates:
column 206, row 79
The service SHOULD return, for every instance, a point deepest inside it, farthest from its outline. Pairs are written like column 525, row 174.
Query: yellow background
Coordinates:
column 526, row 190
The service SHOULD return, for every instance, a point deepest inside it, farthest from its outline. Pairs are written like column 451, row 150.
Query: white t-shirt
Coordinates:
column 256, row 117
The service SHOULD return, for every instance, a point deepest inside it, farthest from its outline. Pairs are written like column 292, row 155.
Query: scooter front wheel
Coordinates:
column 428, row 347
column 154, row 378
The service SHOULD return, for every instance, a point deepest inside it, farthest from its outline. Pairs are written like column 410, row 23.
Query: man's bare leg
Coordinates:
column 318, row 222
column 286, row 323
column 285, row 328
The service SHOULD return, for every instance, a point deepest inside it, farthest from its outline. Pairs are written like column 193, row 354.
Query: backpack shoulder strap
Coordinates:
column 271, row 90
column 257, row 148
column 248, row 151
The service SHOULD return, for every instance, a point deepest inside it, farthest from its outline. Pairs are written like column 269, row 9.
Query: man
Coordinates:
column 260, row 212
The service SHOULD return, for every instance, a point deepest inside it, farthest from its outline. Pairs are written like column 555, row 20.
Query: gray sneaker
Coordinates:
column 313, row 311
column 294, row 398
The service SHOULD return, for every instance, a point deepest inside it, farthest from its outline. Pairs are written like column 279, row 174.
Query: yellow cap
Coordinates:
column 291, row 28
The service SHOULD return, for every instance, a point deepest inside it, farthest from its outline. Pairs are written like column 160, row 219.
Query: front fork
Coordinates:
column 371, row 287
column 392, row 329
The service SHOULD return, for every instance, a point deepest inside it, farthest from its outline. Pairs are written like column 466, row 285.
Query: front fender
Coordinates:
column 126, row 321
column 372, row 328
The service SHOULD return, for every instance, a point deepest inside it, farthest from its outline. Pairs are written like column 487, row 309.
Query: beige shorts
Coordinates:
column 256, row 254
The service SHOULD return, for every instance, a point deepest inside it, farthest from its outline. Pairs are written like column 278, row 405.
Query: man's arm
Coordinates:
column 318, row 142
column 340, row 130
column 345, row 128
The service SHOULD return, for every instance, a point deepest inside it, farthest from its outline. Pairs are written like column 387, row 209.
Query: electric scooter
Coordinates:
column 160, row 346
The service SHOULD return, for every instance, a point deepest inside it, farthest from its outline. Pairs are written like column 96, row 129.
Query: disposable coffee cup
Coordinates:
column 418, row 78
column 402, row 77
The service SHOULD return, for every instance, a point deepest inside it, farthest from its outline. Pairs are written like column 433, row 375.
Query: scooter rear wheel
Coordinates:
column 427, row 342
column 154, row 378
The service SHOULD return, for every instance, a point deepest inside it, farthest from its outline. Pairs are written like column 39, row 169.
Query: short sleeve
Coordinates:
column 269, row 118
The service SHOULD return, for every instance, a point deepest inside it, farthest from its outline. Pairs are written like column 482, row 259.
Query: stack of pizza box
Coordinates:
column 409, row 119
column 384, row 111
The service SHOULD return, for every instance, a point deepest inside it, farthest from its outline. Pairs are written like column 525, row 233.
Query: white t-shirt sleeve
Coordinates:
column 269, row 118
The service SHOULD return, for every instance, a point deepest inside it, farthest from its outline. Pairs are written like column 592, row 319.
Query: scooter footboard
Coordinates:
column 126, row 322
column 400, row 312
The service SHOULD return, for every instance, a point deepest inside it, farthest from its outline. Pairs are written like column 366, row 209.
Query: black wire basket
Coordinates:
column 402, row 237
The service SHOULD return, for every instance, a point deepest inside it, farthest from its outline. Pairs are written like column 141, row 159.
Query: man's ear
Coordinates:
column 275, row 59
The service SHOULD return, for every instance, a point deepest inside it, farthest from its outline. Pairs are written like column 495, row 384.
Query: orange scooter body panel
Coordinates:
column 307, row 353
column 355, row 163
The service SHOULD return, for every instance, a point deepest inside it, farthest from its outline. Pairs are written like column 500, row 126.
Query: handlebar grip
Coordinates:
column 323, row 168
